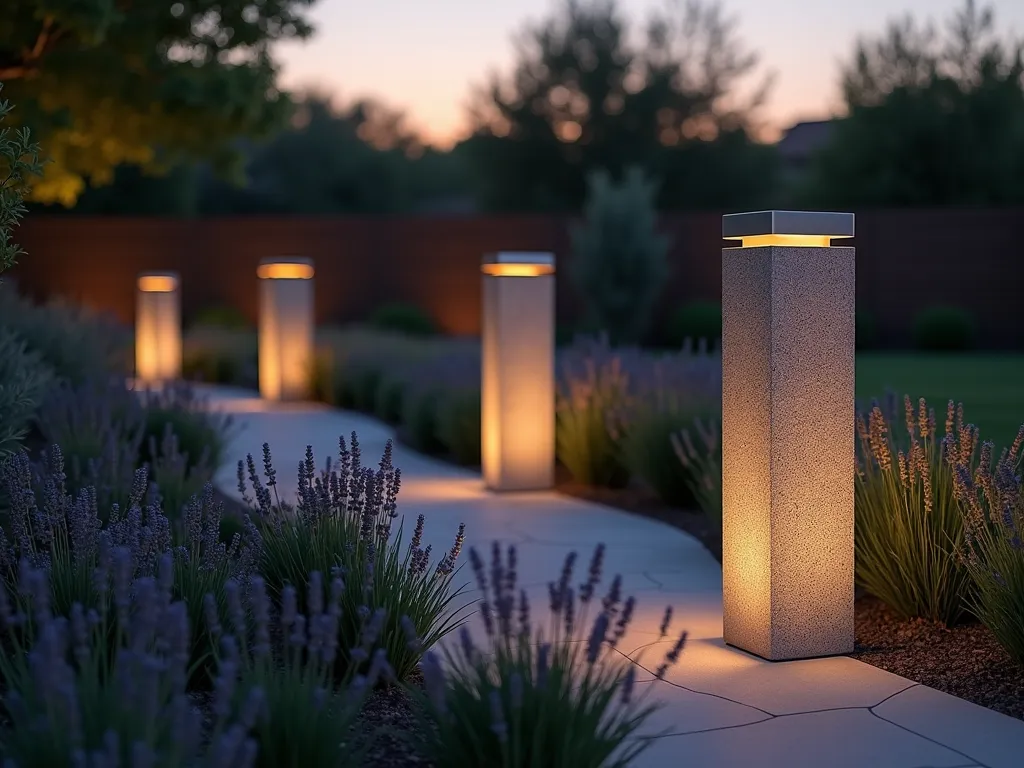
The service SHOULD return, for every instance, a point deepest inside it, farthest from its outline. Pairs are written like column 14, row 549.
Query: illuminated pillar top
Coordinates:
column 158, row 282
column 807, row 229
column 286, row 268
column 518, row 264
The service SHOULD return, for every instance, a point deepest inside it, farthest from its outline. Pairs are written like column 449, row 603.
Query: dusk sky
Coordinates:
column 424, row 55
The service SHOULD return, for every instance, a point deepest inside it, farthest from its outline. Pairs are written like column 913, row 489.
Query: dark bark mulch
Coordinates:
column 964, row 661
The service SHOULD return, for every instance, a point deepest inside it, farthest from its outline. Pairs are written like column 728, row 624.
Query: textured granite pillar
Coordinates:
column 517, row 418
column 158, row 328
column 286, row 328
column 787, row 438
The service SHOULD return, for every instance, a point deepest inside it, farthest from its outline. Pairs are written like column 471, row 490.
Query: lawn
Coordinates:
column 991, row 386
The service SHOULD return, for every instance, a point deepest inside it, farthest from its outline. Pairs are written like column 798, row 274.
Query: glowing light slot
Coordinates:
column 787, row 241
column 285, row 271
column 518, row 270
column 158, row 283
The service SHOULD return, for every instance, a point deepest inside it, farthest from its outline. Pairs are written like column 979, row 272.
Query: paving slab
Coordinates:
column 724, row 706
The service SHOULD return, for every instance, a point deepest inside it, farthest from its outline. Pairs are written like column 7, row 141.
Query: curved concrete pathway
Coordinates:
column 723, row 707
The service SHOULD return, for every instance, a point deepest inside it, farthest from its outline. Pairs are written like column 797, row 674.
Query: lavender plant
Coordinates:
column 992, row 504
column 343, row 523
column 555, row 695
column 70, row 702
column 100, row 428
column 701, row 457
column 200, row 432
column 908, row 526
column 289, row 658
column 65, row 535
column 584, row 443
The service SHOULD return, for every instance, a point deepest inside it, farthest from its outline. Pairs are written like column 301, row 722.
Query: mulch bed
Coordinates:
column 965, row 661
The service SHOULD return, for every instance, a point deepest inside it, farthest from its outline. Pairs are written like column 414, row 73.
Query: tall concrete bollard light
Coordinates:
column 286, row 328
column 787, row 434
column 517, row 401
column 158, row 328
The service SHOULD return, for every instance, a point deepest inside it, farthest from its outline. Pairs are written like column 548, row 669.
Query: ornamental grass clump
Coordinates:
column 71, row 702
column 556, row 694
column 589, row 391
column 992, row 503
column 287, row 659
column 699, row 450
column 908, row 525
column 343, row 524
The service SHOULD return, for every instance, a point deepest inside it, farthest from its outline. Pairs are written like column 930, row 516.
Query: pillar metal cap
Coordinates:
column 286, row 268
column 797, row 228
column 518, row 264
column 158, row 282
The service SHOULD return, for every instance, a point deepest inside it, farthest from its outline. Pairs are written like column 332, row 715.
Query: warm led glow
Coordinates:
column 286, row 329
column 158, row 283
column 517, row 270
column 787, row 482
column 518, row 376
column 285, row 271
column 157, row 329
column 791, row 241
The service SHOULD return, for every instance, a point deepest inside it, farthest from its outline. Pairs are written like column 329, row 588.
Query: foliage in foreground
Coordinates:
column 19, row 161
column 73, row 698
column 992, row 501
column 908, row 526
column 343, row 523
column 556, row 694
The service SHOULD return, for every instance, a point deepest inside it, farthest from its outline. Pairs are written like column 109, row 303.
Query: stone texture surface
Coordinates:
column 788, row 385
column 730, row 707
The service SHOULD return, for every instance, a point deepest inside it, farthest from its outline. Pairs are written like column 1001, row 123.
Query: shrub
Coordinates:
column 701, row 458
column 584, row 443
column 76, row 343
column 419, row 422
column 387, row 404
column 992, row 503
column 24, row 380
column 221, row 356
column 646, row 444
column 229, row 318
column 536, row 696
column 908, row 526
column 68, row 695
column 403, row 318
column 343, row 519
column 458, row 425
column 944, row 329
column 19, row 162
column 289, row 666
column 696, row 321
column 619, row 260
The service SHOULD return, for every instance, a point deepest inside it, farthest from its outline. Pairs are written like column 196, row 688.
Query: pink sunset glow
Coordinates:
column 424, row 57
